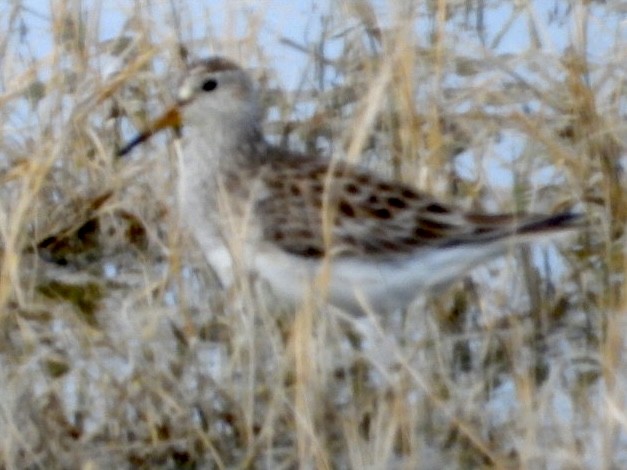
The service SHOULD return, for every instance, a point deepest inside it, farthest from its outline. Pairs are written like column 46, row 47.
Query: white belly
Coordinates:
column 356, row 285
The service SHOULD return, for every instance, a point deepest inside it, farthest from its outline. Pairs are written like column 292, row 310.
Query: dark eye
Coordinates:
column 209, row 85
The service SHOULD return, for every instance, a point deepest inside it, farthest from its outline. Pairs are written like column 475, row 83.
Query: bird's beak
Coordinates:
column 170, row 119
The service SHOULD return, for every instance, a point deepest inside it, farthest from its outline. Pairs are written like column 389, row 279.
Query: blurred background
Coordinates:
column 120, row 348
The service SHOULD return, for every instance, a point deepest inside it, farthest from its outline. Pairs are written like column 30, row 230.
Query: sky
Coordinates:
column 299, row 20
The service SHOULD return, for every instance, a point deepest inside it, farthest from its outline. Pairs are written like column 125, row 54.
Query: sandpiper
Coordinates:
column 294, row 218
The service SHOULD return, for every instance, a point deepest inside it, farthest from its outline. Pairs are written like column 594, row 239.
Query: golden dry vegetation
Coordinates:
column 119, row 349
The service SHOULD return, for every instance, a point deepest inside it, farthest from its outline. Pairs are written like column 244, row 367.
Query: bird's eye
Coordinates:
column 209, row 85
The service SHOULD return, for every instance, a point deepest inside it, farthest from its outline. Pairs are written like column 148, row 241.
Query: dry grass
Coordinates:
column 119, row 349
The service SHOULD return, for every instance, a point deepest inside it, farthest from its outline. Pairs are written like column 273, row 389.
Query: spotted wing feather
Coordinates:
column 367, row 215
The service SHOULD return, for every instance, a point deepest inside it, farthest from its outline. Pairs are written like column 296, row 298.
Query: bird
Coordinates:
column 315, row 226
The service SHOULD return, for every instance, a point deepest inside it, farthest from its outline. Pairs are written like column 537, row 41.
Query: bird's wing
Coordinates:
column 313, row 208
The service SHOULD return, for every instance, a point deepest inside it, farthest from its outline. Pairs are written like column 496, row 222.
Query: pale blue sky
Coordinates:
column 298, row 20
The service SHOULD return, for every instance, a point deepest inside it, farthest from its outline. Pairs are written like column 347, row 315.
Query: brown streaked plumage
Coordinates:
column 287, row 211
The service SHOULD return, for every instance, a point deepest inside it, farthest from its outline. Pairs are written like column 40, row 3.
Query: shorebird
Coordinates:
column 293, row 218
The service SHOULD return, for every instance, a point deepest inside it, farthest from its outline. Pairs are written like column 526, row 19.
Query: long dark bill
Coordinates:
column 170, row 119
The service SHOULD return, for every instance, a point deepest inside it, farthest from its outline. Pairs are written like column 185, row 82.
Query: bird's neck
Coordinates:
column 217, row 162
column 218, row 147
